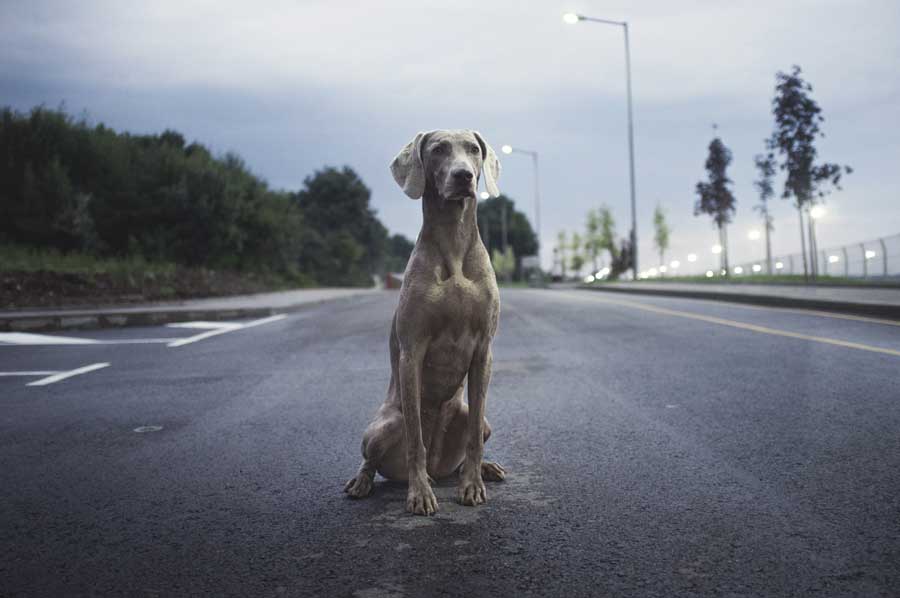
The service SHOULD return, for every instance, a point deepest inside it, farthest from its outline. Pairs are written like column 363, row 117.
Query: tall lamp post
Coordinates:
column 572, row 19
column 508, row 149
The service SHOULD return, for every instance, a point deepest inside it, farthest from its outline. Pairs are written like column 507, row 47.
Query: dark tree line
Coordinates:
column 73, row 186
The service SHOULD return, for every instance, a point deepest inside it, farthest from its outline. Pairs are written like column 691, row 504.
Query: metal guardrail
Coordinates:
column 879, row 258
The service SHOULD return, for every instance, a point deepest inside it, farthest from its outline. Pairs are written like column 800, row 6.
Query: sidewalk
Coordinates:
column 149, row 314
column 867, row 301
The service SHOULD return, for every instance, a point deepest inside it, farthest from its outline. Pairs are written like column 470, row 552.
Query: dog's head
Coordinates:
column 450, row 161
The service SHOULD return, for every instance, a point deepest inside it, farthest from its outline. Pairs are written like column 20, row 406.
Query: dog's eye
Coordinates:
column 439, row 149
column 473, row 149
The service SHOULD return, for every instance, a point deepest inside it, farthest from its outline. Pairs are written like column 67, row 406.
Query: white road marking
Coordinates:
column 52, row 379
column 27, row 338
column 204, row 325
column 12, row 339
column 219, row 328
column 31, row 374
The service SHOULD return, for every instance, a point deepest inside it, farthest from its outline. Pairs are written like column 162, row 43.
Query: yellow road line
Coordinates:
column 807, row 312
column 741, row 325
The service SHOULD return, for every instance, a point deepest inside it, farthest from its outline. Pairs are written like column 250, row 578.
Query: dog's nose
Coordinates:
column 462, row 175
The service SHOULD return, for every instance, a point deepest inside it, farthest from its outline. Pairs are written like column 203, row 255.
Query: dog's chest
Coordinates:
column 464, row 314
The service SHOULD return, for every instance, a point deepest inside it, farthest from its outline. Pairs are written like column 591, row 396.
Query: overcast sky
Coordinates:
column 294, row 86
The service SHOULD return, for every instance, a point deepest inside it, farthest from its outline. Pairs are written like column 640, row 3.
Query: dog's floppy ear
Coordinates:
column 491, row 165
column 408, row 169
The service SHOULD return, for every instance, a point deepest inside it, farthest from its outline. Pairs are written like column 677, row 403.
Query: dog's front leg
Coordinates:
column 419, row 499
column 471, row 485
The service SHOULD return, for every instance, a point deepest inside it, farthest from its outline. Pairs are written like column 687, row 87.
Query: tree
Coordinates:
column 577, row 259
column 592, row 238
column 504, row 263
column 716, row 198
column 561, row 245
column 765, row 166
column 397, row 253
column 797, row 125
column 519, row 234
column 351, row 241
column 660, row 233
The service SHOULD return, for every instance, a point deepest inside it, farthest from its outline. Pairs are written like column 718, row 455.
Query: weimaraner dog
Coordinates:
column 442, row 331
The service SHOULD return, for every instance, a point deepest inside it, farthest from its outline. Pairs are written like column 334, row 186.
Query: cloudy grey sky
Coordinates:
column 296, row 85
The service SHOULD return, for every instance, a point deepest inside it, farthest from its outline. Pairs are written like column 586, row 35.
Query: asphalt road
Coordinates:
column 655, row 447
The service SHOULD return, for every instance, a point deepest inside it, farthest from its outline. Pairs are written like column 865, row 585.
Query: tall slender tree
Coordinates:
column 797, row 126
column 660, row 233
column 561, row 246
column 765, row 166
column 577, row 260
column 715, row 196
column 592, row 238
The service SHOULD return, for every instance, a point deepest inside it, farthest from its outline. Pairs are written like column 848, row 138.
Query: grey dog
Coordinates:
column 442, row 331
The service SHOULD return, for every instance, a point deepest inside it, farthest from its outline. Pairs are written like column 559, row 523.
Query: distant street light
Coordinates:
column 779, row 265
column 692, row 257
column 709, row 274
column 753, row 235
column 485, row 195
column 572, row 19
column 817, row 212
column 738, row 270
column 508, row 149
column 869, row 254
column 674, row 264
column 756, row 268
column 717, row 249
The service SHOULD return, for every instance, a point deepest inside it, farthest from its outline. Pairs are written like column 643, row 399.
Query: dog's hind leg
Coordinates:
column 383, row 434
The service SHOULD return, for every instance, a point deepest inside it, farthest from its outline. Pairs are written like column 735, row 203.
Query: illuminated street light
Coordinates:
column 485, row 195
column 692, row 257
column 738, row 270
column 753, row 235
column 709, row 274
column 870, row 254
column 757, row 267
column 817, row 212
column 717, row 249
column 663, row 269
column 674, row 264
column 779, row 266
column 588, row 279
column 652, row 272
column 508, row 149
column 833, row 259
column 571, row 19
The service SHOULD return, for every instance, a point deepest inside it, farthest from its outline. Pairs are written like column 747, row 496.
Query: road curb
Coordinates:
column 880, row 310
column 122, row 317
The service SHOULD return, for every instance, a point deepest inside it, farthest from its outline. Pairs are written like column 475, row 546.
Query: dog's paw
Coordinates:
column 492, row 472
column 420, row 500
column 471, row 491
column 359, row 487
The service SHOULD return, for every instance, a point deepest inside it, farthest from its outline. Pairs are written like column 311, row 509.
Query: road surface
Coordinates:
column 656, row 447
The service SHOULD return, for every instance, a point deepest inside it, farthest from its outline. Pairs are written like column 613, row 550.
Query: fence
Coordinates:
column 870, row 259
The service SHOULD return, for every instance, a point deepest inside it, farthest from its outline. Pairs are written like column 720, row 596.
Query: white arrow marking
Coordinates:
column 63, row 375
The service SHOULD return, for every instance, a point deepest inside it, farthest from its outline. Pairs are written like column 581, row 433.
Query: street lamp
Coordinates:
column 508, row 149
column 572, row 19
